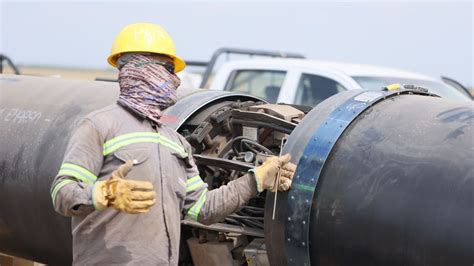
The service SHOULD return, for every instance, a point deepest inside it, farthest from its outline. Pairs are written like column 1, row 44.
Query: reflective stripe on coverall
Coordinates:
column 104, row 140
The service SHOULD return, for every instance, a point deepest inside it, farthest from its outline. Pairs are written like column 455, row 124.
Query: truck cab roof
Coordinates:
column 349, row 69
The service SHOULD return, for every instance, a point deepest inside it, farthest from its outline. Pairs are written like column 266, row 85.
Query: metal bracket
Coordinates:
column 310, row 166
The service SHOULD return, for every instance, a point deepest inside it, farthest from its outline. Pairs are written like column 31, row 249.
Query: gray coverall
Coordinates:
column 106, row 139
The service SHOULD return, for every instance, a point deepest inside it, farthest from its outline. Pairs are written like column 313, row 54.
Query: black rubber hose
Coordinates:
column 236, row 216
column 251, row 142
column 251, row 223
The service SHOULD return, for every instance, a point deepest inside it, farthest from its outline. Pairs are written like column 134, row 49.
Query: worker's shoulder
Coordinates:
column 108, row 117
column 106, row 113
column 176, row 136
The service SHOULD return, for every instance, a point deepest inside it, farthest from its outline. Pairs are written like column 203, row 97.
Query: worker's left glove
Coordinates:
column 266, row 174
column 129, row 196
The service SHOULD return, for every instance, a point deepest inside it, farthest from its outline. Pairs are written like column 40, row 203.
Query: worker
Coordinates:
column 127, row 179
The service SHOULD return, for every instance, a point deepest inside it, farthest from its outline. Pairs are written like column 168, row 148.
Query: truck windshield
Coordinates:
column 377, row 83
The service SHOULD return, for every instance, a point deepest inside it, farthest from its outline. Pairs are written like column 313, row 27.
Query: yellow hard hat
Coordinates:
column 147, row 38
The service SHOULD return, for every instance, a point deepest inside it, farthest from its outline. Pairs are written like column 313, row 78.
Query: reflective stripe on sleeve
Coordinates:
column 193, row 213
column 57, row 187
column 116, row 143
column 193, row 183
column 81, row 173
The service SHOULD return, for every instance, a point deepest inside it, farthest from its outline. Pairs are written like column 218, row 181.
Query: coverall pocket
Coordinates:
column 179, row 187
column 137, row 156
column 141, row 170
column 182, row 158
column 178, row 174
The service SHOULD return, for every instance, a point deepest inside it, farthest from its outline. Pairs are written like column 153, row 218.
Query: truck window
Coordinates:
column 314, row 89
column 262, row 83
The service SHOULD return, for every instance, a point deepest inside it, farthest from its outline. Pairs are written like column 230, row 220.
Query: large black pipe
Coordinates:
column 396, row 189
column 37, row 117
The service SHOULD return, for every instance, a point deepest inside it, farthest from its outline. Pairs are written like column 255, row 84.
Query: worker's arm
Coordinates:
column 71, row 191
column 209, row 207
column 212, row 206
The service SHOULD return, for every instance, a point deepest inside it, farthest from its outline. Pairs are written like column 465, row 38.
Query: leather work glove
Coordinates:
column 129, row 196
column 267, row 173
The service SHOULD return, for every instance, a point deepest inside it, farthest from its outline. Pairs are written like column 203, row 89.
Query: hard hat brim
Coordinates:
column 179, row 63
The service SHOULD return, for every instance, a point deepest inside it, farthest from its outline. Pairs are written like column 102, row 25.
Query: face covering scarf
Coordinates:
column 146, row 86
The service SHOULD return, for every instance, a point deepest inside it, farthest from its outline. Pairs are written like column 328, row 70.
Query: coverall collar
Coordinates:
column 139, row 115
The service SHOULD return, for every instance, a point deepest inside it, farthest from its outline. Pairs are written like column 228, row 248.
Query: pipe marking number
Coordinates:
column 20, row 116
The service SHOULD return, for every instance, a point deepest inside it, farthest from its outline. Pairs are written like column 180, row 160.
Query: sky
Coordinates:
column 428, row 37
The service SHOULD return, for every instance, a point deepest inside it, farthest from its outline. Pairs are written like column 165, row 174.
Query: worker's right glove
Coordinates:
column 129, row 196
column 266, row 174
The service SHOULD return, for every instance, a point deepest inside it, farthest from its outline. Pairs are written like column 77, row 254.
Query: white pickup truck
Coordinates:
column 309, row 82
